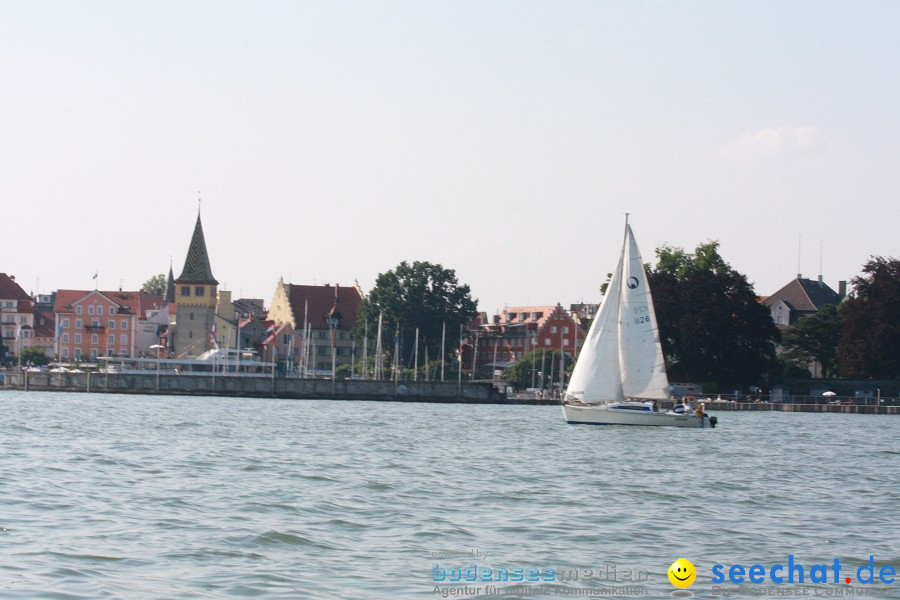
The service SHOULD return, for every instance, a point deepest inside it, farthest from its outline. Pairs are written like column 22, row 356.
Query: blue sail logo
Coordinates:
column 632, row 282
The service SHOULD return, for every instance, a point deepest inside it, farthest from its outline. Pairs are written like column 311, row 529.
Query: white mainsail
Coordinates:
column 621, row 356
column 641, row 361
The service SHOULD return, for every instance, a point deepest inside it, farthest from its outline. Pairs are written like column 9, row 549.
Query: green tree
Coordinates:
column 528, row 369
column 156, row 285
column 419, row 295
column 870, row 340
column 712, row 327
column 815, row 338
column 34, row 356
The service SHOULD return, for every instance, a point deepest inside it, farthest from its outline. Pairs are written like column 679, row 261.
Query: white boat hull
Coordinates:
column 607, row 415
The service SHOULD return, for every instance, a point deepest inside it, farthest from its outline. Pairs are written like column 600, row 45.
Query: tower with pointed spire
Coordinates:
column 195, row 299
column 170, row 286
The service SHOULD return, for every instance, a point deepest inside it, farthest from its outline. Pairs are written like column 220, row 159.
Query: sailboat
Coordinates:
column 620, row 372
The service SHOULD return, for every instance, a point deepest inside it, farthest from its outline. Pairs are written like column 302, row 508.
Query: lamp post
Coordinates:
column 158, row 347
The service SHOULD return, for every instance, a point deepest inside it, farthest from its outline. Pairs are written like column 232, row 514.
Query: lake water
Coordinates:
column 105, row 496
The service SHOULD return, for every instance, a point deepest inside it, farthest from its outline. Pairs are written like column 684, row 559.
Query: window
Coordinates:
column 95, row 322
column 547, row 341
column 190, row 335
column 565, row 342
column 111, row 340
column 565, row 330
column 321, row 335
column 65, row 338
column 77, row 352
column 100, row 311
column 123, row 352
column 110, row 352
column 123, row 324
column 9, row 304
column 112, row 310
column 185, row 290
column 553, row 329
column 199, row 290
column 65, row 353
column 94, row 353
column 94, row 339
column 77, row 323
column 91, row 309
column 111, row 323
column 78, row 310
column 65, row 323
column 343, row 335
column 123, row 339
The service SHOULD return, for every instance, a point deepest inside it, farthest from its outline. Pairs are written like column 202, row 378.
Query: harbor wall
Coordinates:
column 354, row 389
column 262, row 387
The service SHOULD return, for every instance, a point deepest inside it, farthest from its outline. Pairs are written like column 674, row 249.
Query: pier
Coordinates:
column 197, row 384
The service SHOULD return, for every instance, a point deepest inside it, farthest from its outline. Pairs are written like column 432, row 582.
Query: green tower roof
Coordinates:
column 196, row 265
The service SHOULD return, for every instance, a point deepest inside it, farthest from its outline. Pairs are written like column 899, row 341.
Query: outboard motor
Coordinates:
column 713, row 421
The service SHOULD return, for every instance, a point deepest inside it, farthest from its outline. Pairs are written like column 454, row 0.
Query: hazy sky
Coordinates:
column 506, row 140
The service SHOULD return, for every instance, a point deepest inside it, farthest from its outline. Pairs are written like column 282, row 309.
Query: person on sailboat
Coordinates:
column 684, row 408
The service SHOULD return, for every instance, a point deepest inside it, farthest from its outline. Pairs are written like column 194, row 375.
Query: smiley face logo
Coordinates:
column 682, row 573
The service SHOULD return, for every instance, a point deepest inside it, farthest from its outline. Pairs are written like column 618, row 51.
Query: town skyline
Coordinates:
column 506, row 142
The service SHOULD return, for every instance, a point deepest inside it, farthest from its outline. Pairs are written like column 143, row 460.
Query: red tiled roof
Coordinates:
column 520, row 315
column 10, row 290
column 25, row 307
column 135, row 302
column 320, row 300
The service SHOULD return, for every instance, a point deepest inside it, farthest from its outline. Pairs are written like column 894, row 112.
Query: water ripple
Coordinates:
column 159, row 497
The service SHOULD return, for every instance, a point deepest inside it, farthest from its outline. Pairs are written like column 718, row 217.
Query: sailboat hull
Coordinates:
column 609, row 415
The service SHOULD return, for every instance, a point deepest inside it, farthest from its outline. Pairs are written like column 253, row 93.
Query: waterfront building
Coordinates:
column 249, row 308
column 16, row 317
column 196, row 300
column 518, row 330
column 94, row 323
column 284, row 346
column 329, row 310
column 801, row 297
column 44, row 332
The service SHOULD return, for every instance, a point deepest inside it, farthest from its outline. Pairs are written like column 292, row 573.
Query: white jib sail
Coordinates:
column 596, row 374
column 643, row 369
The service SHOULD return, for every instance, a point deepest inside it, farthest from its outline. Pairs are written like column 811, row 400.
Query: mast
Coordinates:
column 443, row 339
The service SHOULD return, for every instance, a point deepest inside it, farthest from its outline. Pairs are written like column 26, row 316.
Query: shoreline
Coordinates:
column 434, row 392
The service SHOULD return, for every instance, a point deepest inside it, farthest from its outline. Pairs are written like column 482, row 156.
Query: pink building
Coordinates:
column 90, row 324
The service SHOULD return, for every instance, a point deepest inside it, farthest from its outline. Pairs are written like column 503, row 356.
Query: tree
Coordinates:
column 815, row 338
column 528, row 369
column 870, row 340
column 712, row 327
column 34, row 356
column 156, row 285
column 421, row 295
